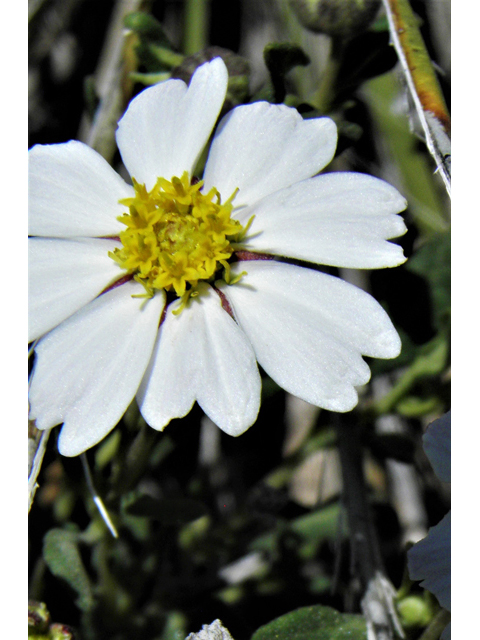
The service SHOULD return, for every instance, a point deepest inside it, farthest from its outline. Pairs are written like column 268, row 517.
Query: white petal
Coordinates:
column 339, row 219
column 73, row 191
column 201, row 355
column 308, row 330
column 63, row 275
column 261, row 148
column 88, row 369
column 165, row 128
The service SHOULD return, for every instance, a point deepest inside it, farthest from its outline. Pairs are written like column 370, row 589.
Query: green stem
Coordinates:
column 366, row 560
column 325, row 94
column 96, row 498
column 436, row 626
column 429, row 362
column 136, row 460
column 196, row 25
column 166, row 56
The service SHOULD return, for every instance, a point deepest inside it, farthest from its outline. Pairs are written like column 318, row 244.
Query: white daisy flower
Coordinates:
column 151, row 291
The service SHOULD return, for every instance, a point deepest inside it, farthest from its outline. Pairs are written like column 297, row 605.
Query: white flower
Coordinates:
column 305, row 328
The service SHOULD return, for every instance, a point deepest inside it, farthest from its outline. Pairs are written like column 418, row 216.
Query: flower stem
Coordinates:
column 365, row 551
column 96, row 498
column 112, row 84
column 366, row 561
column 436, row 626
column 196, row 25
column 325, row 95
column 37, row 447
column 135, row 462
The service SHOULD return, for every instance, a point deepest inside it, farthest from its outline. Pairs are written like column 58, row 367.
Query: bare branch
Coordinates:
column 422, row 83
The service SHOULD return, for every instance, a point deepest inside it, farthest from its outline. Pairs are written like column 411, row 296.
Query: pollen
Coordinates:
column 175, row 235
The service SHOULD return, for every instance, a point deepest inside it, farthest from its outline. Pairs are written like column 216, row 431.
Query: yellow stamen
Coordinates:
column 184, row 300
column 175, row 236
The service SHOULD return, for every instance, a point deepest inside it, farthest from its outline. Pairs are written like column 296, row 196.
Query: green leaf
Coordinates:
column 168, row 511
column 156, row 58
column 433, row 262
column 153, row 49
column 280, row 58
column 430, row 360
column 318, row 526
column 149, row 79
column 415, row 407
column 175, row 627
column 147, row 27
column 311, row 530
column 365, row 57
column 419, row 186
column 314, row 623
column 107, row 449
column 61, row 554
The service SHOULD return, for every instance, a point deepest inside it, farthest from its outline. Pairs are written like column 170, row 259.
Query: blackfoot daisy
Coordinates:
column 150, row 289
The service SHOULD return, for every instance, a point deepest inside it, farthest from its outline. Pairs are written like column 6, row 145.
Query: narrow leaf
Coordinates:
column 61, row 554
column 314, row 623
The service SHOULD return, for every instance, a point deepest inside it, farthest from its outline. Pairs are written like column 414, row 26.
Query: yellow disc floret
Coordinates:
column 175, row 235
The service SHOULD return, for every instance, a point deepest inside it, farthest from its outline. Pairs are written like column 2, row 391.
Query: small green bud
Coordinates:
column 61, row 632
column 339, row 18
column 38, row 617
column 414, row 611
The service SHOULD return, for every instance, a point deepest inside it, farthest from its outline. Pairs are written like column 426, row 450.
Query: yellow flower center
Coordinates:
column 175, row 235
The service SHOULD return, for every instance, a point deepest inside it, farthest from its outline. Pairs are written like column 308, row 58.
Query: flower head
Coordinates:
column 167, row 289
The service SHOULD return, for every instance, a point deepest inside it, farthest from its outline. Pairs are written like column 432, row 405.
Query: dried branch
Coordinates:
column 96, row 498
column 422, row 83
column 112, row 84
column 37, row 444
column 366, row 561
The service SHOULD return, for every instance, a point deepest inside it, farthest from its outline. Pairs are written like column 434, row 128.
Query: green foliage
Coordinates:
column 366, row 56
column 314, row 623
column 62, row 556
column 337, row 18
column 147, row 27
column 430, row 360
column 41, row 628
column 280, row 58
column 175, row 626
column 426, row 203
column 107, row 449
column 433, row 262
column 415, row 611
column 155, row 52
column 171, row 512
